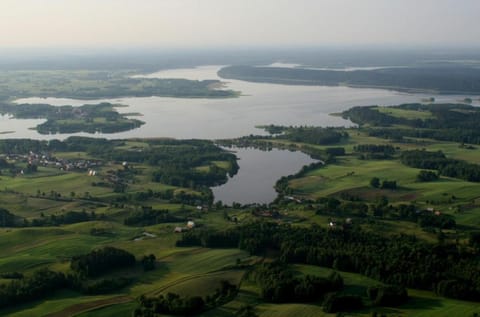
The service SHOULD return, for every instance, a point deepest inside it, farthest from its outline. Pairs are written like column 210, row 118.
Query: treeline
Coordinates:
column 374, row 151
column 68, row 217
column 304, row 134
column 400, row 259
column 174, row 304
column 71, row 144
column 370, row 115
column 210, row 239
column 8, row 219
column 443, row 79
column 44, row 282
column 427, row 176
column 201, row 196
column 181, row 175
column 384, row 184
column 333, row 206
column 148, row 217
column 279, row 284
column 445, row 166
column 103, row 286
column 41, row 284
column 87, row 268
column 448, row 122
column 461, row 135
column 101, row 261
column 314, row 135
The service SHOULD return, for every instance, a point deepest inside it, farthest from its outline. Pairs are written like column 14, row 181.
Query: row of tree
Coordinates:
column 445, row 166
column 100, row 261
column 148, row 216
column 448, row 122
column 174, row 304
column 23, row 288
column 278, row 284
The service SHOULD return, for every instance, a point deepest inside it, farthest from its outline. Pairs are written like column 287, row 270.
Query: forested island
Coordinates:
column 445, row 80
column 103, row 118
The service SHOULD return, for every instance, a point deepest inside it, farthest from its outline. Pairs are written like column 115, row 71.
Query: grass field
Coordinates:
column 421, row 303
column 195, row 270
column 51, row 305
column 404, row 113
column 205, row 283
column 353, row 175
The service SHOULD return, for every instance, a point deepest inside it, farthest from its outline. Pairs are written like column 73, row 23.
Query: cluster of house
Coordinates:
column 50, row 161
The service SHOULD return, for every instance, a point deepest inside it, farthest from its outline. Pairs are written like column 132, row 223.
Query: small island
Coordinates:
column 101, row 118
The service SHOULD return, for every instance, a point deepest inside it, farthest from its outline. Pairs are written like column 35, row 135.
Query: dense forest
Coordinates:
column 400, row 260
column 45, row 282
column 445, row 122
column 438, row 161
column 439, row 79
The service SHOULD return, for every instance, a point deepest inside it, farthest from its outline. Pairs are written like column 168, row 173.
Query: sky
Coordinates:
column 236, row 23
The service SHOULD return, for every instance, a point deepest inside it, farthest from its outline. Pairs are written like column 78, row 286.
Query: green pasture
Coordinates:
column 421, row 303
column 353, row 176
column 55, row 303
column 404, row 113
column 205, row 284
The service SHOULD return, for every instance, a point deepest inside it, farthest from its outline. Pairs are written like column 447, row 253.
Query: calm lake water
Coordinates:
column 260, row 104
column 259, row 170
column 228, row 118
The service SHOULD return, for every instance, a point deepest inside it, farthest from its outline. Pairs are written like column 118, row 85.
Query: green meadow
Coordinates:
column 120, row 219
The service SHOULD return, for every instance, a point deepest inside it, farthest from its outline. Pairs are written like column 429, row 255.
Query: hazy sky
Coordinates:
column 193, row 23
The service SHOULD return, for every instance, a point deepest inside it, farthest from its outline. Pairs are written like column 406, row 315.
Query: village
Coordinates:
column 45, row 160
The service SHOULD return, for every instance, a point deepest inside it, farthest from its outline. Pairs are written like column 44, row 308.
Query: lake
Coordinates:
column 259, row 171
column 259, row 104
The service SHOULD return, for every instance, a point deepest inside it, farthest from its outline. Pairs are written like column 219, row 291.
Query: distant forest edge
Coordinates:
column 445, row 80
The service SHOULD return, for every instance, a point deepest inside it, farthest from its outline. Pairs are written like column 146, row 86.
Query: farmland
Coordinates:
column 135, row 194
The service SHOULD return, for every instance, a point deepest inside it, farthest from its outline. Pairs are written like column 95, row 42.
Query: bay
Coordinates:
column 259, row 104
